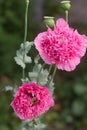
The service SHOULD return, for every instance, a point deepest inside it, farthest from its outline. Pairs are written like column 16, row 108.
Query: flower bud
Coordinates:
column 49, row 21
column 65, row 5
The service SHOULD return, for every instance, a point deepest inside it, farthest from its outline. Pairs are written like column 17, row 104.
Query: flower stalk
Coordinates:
column 25, row 33
column 66, row 13
column 50, row 68
column 65, row 5
column 52, row 77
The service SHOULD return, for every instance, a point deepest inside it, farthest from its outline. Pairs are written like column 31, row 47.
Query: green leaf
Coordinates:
column 36, row 59
column 51, row 86
column 20, row 62
column 29, row 125
column 27, row 59
column 27, row 46
column 21, row 56
column 33, row 76
column 39, row 75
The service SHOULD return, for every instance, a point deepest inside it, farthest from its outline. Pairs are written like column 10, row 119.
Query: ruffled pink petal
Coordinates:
column 31, row 101
column 63, row 46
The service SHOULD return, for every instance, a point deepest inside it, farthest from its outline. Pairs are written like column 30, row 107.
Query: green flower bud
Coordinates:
column 65, row 5
column 49, row 21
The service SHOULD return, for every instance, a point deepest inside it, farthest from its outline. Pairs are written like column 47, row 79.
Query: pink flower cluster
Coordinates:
column 31, row 101
column 61, row 46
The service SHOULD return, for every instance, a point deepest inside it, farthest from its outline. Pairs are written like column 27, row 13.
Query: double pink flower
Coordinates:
column 31, row 100
column 62, row 46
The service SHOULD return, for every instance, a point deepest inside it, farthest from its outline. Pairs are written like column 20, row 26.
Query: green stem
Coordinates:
column 25, row 33
column 54, row 73
column 50, row 69
column 67, row 13
column 52, row 77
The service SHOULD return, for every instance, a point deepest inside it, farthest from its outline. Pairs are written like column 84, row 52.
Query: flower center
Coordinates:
column 34, row 100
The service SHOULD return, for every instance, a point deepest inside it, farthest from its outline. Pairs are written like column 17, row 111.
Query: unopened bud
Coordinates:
column 49, row 21
column 65, row 5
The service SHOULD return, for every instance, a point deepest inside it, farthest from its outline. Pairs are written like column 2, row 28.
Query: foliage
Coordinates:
column 26, row 125
column 72, row 97
column 21, row 56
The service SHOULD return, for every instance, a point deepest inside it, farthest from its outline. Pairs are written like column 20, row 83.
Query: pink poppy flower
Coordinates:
column 63, row 46
column 31, row 101
column 43, row 43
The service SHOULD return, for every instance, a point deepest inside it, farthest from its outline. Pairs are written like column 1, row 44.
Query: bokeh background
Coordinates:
column 70, row 110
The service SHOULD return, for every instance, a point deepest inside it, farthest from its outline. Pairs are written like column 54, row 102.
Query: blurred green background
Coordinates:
column 70, row 110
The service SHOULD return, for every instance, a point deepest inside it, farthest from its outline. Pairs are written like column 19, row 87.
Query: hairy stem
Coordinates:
column 66, row 13
column 52, row 77
column 50, row 68
column 25, row 33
